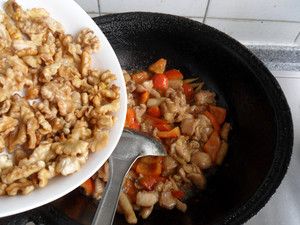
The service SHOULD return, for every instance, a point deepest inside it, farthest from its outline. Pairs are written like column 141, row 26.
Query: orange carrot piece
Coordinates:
column 160, row 82
column 148, row 169
column 140, row 77
column 88, row 186
column 160, row 124
column 135, row 126
column 212, row 146
column 178, row 194
column 163, row 126
column 213, row 121
column 130, row 121
column 174, row 74
column 148, row 182
column 130, row 117
column 154, row 119
column 158, row 67
column 154, row 111
column 218, row 112
column 174, row 133
column 144, row 97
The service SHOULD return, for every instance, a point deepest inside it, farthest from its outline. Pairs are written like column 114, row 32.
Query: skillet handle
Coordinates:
column 107, row 207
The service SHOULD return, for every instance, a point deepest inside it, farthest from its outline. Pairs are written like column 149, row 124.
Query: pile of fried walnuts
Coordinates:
column 54, row 108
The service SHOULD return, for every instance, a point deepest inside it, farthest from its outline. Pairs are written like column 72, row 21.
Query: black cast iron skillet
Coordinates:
column 261, row 139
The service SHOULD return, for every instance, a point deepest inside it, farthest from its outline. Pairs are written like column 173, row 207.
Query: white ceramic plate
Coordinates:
column 73, row 18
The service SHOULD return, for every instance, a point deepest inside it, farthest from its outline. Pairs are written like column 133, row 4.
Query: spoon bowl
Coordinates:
column 131, row 146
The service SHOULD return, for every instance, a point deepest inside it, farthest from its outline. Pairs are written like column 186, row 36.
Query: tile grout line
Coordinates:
column 223, row 18
column 99, row 8
column 281, row 77
column 297, row 37
column 92, row 12
column 206, row 10
column 250, row 19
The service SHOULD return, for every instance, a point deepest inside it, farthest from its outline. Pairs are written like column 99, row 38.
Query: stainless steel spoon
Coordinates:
column 131, row 146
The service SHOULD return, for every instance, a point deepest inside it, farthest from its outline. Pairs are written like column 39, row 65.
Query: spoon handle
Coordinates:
column 107, row 207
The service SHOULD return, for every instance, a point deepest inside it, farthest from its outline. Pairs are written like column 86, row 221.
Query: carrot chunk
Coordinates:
column 218, row 112
column 212, row 146
column 148, row 182
column 178, row 194
column 88, row 186
column 158, row 123
column 174, row 74
column 130, row 121
column 144, row 97
column 158, row 67
column 160, row 82
column 174, row 133
column 213, row 120
column 149, row 169
column 140, row 77
column 154, row 111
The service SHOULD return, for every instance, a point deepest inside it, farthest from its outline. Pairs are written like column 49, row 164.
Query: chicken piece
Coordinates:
column 127, row 209
column 99, row 188
column 146, row 199
column 103, row 173
column 181, row 206
column 145, row 86
column 140, row 110
column 225, row 131
column 198, row 179
column 169, row 165
column 181, row 148
column 201, row 159
column 204, row 97
column 203, row 128
column 167, row 200
column 222, row 153
column 188, row 126
column 146, row 211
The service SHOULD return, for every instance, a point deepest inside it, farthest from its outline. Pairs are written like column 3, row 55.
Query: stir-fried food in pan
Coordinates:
column 185, row 118
column 54, row 107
